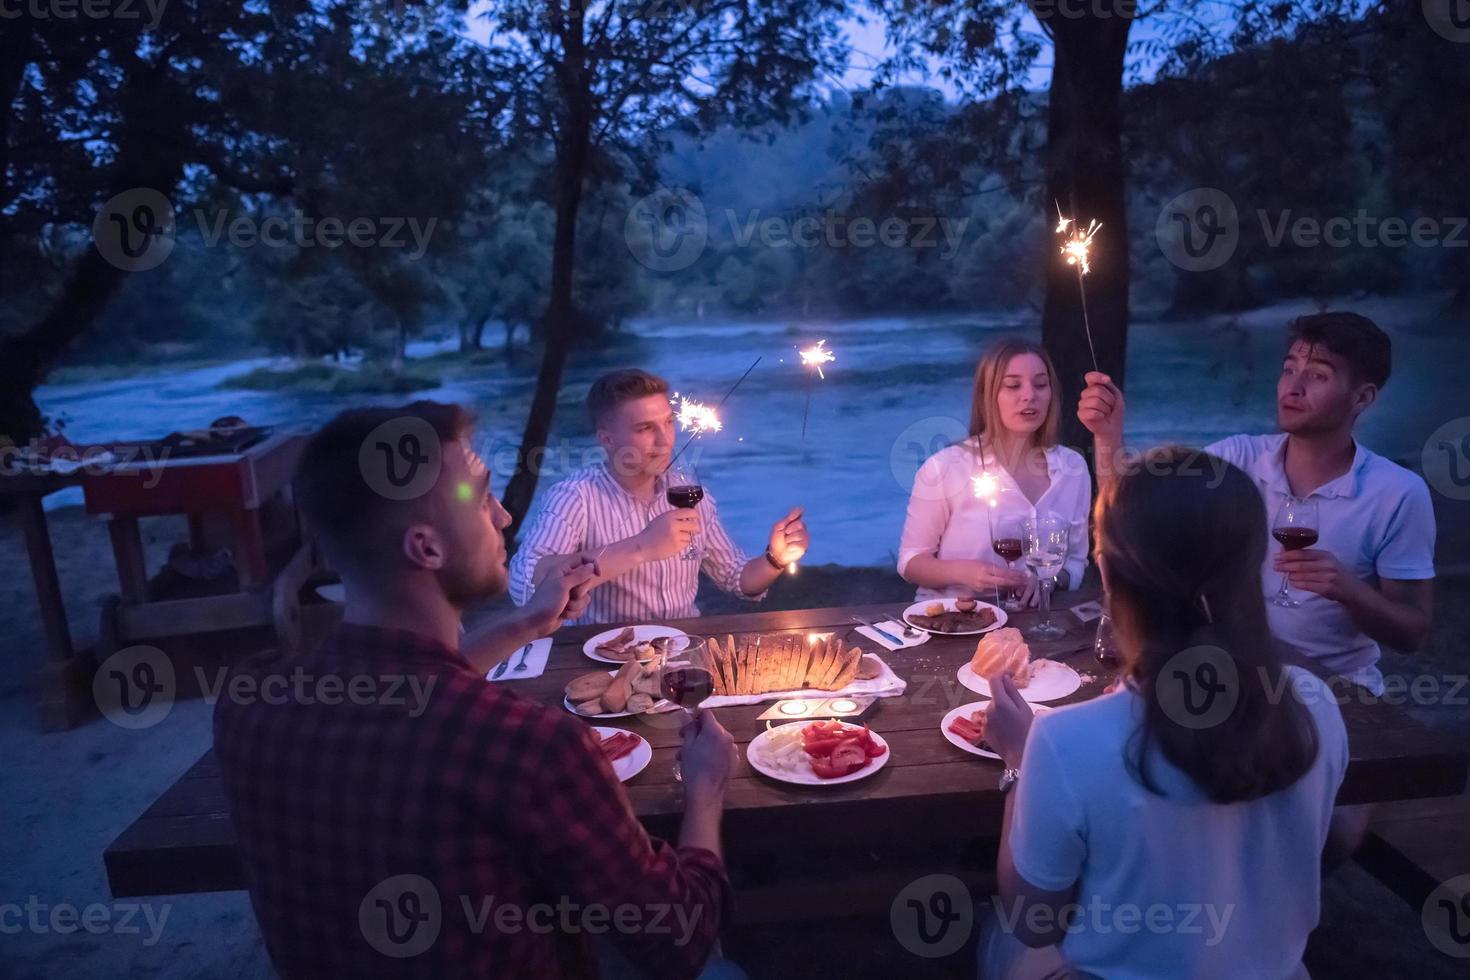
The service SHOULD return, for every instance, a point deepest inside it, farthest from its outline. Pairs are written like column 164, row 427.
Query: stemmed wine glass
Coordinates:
column 1105, row 643
column 1008, row 541
column 1046, row 550
column 684, row 491
column 1295, row 526
column 684, row 680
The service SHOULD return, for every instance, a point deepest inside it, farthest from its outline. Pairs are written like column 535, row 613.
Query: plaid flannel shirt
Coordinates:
column 426, row 823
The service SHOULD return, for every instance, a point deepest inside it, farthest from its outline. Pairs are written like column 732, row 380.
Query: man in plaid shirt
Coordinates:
column 398, row 815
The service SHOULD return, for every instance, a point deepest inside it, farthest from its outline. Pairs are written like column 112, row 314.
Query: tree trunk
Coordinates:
column 572, row 151
column 469, row 334
column 147, row 157
column 1085, row 176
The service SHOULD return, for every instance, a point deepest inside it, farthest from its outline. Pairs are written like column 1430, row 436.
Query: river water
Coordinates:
column 898, row 389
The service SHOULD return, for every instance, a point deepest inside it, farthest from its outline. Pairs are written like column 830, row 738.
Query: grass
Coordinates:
column 370, row 379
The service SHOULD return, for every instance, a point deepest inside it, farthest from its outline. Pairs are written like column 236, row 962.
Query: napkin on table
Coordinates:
column 535, row 663
column 894, row 628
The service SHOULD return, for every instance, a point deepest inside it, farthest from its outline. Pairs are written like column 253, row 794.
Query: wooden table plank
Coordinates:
column 184, row 842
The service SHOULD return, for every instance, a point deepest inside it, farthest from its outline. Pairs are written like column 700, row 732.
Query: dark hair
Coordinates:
column 347, row 516
column 1352, row 337
column 1182, row 559
column 616, row 387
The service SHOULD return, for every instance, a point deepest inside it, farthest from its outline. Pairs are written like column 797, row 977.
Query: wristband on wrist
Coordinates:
column 772, row 559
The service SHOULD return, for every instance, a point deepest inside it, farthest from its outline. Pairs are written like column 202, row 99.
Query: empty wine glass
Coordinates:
column 1046, row 550
column 1295, row 526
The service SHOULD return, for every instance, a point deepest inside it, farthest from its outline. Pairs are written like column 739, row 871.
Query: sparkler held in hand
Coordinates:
column 1075, row 248
column 697, row 418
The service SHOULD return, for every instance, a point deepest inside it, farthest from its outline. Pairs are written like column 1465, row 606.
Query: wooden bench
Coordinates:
column 1413, row 846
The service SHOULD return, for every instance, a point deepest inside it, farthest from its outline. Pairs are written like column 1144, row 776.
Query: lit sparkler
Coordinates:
column 814, row 356
column 697, row 417
column 984, row 487
column 1075, row 249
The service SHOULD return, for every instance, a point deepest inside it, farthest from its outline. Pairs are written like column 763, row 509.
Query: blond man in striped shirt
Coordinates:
column 616, row 512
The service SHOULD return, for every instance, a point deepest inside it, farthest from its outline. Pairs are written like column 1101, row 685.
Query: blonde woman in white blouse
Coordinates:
column 1015, row 414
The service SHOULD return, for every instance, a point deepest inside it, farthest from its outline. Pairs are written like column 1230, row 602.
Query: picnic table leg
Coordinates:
column 127, row 550
column 250, row 559
column 64, row 678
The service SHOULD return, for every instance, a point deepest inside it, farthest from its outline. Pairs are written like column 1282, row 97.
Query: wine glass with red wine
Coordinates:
column 685, row 681
column 685, row 492
column 1295, row 527
column 1009, row 543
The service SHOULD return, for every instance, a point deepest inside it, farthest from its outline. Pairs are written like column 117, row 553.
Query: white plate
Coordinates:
column 659, row 706
column 1049, row 680
column 967, row 710
column 810, row 778
column 919, row 607
column 634, row 762
column 641, row 633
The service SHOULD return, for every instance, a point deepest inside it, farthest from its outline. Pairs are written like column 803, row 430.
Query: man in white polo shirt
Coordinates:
column 1368, row 580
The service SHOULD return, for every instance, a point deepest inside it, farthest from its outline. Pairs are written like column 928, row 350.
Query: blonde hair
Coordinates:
column 990, row 372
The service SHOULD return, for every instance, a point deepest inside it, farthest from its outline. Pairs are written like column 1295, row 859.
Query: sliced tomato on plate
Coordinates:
column 823, row 767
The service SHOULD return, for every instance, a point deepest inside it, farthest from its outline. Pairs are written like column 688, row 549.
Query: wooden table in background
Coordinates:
column 928, row 791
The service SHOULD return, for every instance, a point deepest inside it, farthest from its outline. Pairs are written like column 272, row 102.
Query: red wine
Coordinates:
column 1292, row 538
column 1011, row 549
column 685, row 497
column 687, row 686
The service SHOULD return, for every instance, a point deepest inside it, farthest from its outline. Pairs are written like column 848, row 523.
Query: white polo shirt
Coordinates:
column 1376, row 518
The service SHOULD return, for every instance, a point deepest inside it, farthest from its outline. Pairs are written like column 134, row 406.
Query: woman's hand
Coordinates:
column 984, row 576
column 1007, row 721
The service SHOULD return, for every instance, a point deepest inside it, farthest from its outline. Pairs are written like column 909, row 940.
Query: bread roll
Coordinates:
column 588, row 686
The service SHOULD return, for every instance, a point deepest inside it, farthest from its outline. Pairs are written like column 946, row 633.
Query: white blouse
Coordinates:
column 946, row 519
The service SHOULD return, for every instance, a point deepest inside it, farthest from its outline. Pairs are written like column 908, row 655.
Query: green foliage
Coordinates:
column 369, row 379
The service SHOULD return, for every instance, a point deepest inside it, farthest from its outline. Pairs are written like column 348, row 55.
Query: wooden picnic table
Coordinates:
column 929, row 790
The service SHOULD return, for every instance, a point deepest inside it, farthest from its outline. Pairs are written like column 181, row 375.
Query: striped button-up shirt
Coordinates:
column 590, row 510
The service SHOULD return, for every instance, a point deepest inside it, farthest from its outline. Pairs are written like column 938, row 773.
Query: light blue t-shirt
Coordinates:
column 1174, row 885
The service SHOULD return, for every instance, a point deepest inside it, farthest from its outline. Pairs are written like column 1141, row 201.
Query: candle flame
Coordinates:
column 697, row 417
column 817, row 355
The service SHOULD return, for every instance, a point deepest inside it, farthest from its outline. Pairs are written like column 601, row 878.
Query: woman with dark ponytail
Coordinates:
column 1181, row 819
